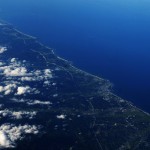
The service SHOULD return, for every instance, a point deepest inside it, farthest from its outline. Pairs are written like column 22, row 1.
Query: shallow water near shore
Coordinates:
column 108, row 39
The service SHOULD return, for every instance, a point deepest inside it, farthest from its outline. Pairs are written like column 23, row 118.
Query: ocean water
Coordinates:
column 108, row 38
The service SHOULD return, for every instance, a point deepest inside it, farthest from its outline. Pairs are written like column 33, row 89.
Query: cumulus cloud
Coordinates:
column 48, row 73
column 20, row 90
column 17, row 114
column 32, row 102
column 16, row 68
column 13, row 60
column 2, row 49
column 23, row 114
column 19, row 100
column 23, row 90
column 35, row 102
column 1, row 63
column 9, row 133
column 61, row 116
column 8, row 89
column 16, row 79
column 55, row 95
column 47, row 82
column 4, row 140
column 28, row 79
column 20, row 71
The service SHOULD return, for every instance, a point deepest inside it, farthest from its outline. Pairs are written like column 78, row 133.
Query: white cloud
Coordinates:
column 19, row 100
column 55, row 95
column 27, row 79
column 23, row 90
column 2, row 49
column 9, row 133
column 8, row 89
column 61, row 116
column 31, row 102
column 20, row 71
column 15, row 74
column 47, row 82
column 11, row 88
column 24, row 114
column 54, row 84
column 4, row 141
column 1, row 106
column 1, row 63
column 17, row 114
column 16, row 68
column 35, row 102
column 37, row 72
column 13, row 60
column 48, row 73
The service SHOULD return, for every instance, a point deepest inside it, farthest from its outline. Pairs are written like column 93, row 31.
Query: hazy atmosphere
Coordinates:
column 104, row 37
column 74, row 75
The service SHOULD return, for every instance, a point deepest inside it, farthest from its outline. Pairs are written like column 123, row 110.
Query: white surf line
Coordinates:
column 97, row 77
column 82, row 71
column 51, row 49
column 27, row 35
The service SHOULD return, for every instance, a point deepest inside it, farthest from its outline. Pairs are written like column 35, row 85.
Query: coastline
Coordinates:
column 79, row 99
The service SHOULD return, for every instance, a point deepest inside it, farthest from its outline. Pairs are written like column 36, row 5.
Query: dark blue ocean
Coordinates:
column 109, row 38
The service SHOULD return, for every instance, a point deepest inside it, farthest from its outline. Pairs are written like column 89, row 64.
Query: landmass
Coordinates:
column 47, row 103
